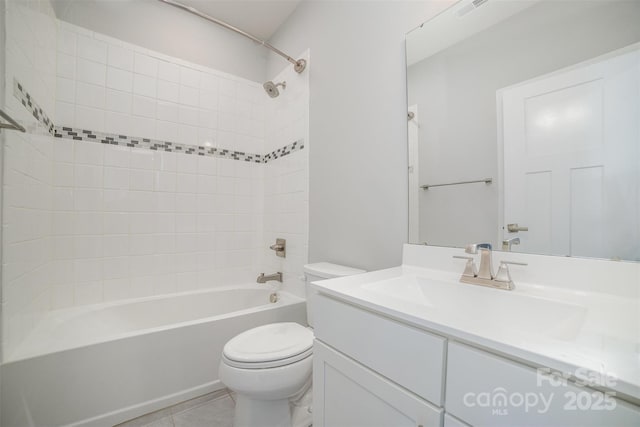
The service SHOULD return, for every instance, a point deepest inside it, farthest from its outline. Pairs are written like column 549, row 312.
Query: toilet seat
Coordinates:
column 269, row 346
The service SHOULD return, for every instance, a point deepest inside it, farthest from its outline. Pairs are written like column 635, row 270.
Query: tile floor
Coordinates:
column 212, row 410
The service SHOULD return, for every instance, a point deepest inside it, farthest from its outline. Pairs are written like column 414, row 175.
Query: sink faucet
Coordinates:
column 262, row 278
column 484, row 275
column 486, row 268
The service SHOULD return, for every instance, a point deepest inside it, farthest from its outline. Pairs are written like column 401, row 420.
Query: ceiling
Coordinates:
column 261, row 18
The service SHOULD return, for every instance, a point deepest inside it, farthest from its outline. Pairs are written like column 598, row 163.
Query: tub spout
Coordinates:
column 262, row 278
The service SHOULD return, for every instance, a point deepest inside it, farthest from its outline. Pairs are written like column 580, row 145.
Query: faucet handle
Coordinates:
column 470, row 268
column 503, row 274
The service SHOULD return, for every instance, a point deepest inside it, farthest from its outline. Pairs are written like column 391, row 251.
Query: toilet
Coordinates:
column 269, row 367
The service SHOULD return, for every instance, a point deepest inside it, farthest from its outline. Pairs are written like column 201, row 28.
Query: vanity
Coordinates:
column 412, row 346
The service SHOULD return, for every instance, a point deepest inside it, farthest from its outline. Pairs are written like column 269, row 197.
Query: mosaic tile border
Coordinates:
column 32, row 106
column 77, row 134
column 153, row 144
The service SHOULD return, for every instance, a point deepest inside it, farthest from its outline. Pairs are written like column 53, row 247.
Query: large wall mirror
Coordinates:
column 524, row 127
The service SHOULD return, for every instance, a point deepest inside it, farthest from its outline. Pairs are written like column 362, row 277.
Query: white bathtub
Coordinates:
column 107, row 363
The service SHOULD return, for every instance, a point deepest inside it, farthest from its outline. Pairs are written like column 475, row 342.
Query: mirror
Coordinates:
column 524, row 127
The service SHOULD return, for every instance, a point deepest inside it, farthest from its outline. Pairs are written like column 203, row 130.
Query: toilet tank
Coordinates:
column 322, row 271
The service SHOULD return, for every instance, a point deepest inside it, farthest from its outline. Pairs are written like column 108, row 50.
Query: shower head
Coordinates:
column 272, row 88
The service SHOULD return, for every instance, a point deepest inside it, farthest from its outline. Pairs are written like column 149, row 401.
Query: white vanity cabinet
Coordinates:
column 485, row 389
column 347, row 394
column 371, row 370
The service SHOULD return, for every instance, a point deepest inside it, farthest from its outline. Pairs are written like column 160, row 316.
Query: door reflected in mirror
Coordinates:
column 524, row 127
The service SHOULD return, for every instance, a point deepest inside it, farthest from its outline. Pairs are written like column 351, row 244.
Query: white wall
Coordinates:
column 358, row 126
column 160, row 27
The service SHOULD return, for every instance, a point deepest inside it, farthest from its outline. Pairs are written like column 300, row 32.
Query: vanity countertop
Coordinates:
column 593, row 337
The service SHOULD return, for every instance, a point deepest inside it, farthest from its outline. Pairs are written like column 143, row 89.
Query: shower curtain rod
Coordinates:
column 298, row 65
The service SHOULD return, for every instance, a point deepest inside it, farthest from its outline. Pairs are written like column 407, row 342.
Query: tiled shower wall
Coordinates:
column 27, row 170
column 102, row 222
column 134, row 222
column 286, row 181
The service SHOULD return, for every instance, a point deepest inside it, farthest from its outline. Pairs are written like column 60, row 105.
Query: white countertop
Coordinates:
column 587, row 335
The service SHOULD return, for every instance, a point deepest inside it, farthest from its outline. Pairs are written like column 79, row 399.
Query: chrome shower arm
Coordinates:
column 299, row 65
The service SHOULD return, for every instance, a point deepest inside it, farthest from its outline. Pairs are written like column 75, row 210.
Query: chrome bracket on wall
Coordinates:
column 12, row 124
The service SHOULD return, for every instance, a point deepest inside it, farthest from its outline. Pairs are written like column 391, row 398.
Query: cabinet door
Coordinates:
column 484, row 389
column 408, row 356
column 346, row 394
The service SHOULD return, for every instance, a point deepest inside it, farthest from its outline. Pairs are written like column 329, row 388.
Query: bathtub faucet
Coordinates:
column 264, row 279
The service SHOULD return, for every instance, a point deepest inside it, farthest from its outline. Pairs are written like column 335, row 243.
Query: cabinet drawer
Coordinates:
column 484, row 389
column 409, row 356
column 345, row 393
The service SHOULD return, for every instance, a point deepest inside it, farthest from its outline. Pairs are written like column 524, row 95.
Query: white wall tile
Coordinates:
column 120, row 102
column 117, row 156
column 143, row 127
column 141, row 159
column 188, row 116
column 90, row 223
column 167, row 131
column 144, row 64
column 118, row 123
column 89, row 176
column 208, row 119
column 167, row 111
column 67, row 41
column 63, row 174
column 89, row 153
column 189, row 96
column 92, row 49
column 66, row 66
column 188, row 135
column 91, row 72
column 144, row 85
column 116, row 244
column 88, row 199
column 186, row 183
column 142, row 223
column 190, row 77
column 120, row 57
column 89, row 118
column 116, row 178
column 168, row 91
column 65, row 113
column 165, row 181
column 90, row 95
column 209, row 82
column 145, row 107
column 88, row 293
column 208, row 99
column 66, row 90
column 62, row 199
column 169, row 71
column 119, row 79
column 116, row 223
column 141, row 180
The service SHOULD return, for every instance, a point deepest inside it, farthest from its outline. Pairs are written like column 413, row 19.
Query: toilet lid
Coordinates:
column 269, row 343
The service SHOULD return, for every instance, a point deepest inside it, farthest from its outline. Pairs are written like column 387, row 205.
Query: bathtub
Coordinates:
column 104, row 364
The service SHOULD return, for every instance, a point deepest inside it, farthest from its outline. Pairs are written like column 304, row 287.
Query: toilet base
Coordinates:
column 261, row 413
column 274, row 413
